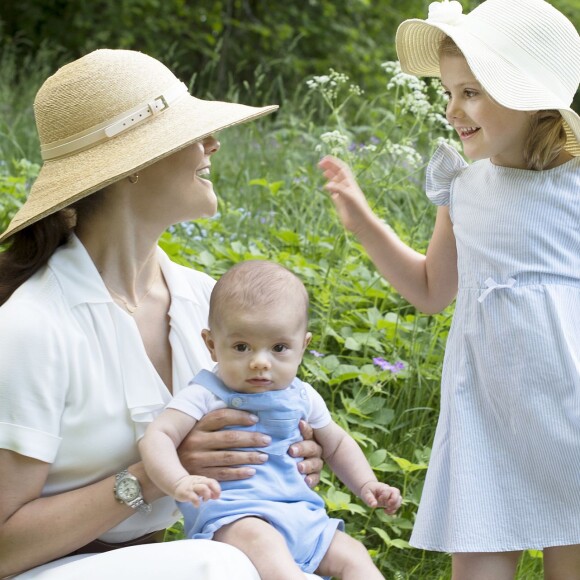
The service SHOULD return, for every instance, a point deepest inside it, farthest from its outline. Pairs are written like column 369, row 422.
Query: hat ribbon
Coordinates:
column 112, row 127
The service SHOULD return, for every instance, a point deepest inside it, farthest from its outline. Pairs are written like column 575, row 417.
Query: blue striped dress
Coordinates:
column 505, row 468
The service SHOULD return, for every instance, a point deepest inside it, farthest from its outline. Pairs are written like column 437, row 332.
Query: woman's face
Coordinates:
column 179, row 185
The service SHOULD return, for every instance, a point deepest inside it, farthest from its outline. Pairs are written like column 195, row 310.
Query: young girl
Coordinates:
column 505, row 468
column 258, row 332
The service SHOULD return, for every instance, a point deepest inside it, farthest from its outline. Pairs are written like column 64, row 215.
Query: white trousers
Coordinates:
column 178, row 560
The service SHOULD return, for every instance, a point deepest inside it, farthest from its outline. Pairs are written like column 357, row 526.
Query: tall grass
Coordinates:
column 375, row 359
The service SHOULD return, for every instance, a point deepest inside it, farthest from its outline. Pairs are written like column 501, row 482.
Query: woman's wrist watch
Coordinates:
column 128, row 491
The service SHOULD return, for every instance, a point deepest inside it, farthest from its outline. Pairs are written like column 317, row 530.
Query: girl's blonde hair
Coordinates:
column 547, row 136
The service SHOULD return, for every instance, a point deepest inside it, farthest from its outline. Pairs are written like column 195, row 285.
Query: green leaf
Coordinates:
column 352, row 344
column 406, row 465
column 401, row 544
column 383, row 535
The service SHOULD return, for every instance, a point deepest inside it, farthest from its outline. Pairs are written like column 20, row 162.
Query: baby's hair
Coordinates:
column 256, row 284
column 547, row 136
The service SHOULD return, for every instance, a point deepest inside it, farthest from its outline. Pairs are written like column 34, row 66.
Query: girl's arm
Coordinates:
column 349, row 463
column 429, row 282
column 35, row 530
column 158, row 449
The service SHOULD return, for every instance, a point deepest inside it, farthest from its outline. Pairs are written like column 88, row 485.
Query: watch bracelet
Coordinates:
column 138, row 504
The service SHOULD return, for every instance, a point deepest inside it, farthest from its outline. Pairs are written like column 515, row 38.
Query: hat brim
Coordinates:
column 418, row 42
column 64, row 181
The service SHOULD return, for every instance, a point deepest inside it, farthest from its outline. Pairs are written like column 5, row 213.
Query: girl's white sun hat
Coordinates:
column 525, row 53
column 107, row 115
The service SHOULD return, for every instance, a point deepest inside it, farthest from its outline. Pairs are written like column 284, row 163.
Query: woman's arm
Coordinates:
column 427, row 281
column 35, row 530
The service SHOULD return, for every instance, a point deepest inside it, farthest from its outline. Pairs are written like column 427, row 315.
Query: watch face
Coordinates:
column 128, row 489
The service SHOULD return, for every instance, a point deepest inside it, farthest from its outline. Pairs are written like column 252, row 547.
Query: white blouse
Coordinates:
column 77, row 388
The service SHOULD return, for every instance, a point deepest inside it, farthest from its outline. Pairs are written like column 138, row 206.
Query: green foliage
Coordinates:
column 219, row 43
column 258, row 47
column 14, row 183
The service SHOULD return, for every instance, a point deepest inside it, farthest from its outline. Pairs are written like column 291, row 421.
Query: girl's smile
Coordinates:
column 466, row 132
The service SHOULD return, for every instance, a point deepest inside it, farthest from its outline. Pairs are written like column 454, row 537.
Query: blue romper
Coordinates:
column 277, row 492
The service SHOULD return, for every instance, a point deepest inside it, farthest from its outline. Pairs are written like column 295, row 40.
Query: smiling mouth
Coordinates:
column 466, row 132
column 203, row 172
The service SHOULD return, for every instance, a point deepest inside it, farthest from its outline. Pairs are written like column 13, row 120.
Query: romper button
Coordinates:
column 303, row 393
column 237, row 402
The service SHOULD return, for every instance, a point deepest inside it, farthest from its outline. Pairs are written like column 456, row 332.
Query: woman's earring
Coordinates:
column 134, row 178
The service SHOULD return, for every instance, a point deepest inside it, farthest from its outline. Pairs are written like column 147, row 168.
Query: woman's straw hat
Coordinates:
column 525, row 53
column 107, row 115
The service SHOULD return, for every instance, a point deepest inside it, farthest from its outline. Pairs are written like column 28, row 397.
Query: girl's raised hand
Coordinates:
column 349, row 200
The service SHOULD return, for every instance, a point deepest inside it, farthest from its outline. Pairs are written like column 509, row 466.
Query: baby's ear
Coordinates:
column 307, row 339
column 209, row 342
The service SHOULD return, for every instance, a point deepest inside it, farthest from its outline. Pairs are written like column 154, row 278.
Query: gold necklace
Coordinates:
column 131, row 309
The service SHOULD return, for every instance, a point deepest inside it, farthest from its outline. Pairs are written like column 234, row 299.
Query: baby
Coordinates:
column 258, row 334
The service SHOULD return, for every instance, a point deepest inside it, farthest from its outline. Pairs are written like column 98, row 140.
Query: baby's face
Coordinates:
column 258, row 351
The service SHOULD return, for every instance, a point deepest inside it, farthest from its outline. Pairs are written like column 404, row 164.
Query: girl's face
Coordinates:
column 178, row 184
column 486, row 129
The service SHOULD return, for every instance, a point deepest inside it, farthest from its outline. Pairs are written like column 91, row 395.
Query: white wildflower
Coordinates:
column 336, row 141
column 404, row 154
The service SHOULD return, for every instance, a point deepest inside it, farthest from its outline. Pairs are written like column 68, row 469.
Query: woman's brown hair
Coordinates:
column 30, row 248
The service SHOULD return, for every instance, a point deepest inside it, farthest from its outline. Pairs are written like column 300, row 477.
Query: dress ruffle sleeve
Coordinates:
column 445, row 164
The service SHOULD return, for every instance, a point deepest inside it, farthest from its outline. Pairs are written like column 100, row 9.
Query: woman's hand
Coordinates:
column 211, row 451
column 312, row 464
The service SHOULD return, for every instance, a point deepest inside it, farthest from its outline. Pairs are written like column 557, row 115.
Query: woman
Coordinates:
column 98, row 328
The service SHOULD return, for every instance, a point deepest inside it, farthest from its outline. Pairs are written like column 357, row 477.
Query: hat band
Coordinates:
column 112, row 127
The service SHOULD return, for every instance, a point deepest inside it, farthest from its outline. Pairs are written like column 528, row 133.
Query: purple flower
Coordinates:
column 316, row 353
column 385, row 365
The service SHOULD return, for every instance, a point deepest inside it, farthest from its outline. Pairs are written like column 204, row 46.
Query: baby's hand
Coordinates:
column 351, row 204
column 195, row 487
column 377, row 494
